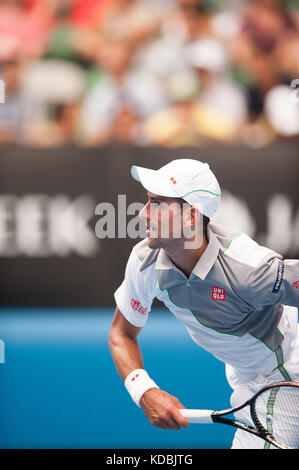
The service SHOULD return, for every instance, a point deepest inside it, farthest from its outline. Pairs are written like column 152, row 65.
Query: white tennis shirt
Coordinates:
column 239, row 303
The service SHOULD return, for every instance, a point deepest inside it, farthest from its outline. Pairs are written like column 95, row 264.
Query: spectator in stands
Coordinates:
column 266, row 22
column 132, row 21
column 20, row 111
column 122, row 93
column 116, row 70
column 175, row 125
column 221, row 105
column 25, row 28
column 188, row 20
column 259, row 62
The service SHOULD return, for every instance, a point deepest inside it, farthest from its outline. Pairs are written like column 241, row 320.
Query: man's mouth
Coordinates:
column 149, row 229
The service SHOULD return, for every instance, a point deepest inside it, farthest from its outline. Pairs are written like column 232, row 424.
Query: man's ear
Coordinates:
column 192, row 216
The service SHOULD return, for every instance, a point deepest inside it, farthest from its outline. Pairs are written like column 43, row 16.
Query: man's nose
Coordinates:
column 143, row 214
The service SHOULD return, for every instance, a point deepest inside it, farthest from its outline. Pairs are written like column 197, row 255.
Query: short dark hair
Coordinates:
column 205, row 222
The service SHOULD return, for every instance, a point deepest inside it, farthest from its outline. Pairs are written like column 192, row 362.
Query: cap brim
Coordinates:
column 153, row 182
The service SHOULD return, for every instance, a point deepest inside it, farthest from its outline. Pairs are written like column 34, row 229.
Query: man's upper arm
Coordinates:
column 121, row 326
column 275, row 282
column 135, row 295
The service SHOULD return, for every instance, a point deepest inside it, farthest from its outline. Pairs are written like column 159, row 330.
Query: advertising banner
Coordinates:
column 68, row 216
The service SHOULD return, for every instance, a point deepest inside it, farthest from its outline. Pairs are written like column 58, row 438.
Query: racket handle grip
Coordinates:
column 198, row 416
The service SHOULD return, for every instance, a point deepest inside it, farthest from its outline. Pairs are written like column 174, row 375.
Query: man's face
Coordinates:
column 165, row 219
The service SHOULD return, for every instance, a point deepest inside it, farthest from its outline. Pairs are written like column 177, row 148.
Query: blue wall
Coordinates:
column 59, row 387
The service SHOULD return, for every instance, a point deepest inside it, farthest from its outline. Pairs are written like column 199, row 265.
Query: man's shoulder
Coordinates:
column 244, row 260
column 239, row 247
column 146, row 256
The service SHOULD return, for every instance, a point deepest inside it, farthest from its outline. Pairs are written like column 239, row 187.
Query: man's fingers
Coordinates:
column 167, row 422
column 181, row 420
column 164, row 423
column 174, row 424
column 163, row 410
column 176, row 420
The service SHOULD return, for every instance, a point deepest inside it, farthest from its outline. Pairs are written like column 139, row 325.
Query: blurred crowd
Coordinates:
column 148, row 72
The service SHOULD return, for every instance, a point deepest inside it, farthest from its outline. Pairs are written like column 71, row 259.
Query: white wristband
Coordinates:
column 137, row 383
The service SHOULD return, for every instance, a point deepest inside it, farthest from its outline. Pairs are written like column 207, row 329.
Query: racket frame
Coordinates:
column 259, row 431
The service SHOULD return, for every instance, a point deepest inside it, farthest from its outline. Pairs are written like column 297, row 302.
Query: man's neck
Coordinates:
column 186, row 259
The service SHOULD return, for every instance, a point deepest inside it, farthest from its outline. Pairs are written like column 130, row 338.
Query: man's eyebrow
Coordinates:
column 154, row 197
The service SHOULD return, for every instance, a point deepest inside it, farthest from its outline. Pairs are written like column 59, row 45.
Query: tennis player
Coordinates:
column 237, row 299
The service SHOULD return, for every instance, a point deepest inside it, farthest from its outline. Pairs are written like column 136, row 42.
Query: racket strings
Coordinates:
column 277, row 411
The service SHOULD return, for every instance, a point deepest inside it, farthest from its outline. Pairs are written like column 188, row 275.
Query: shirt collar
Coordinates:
column 209, row 256
column 204, row 264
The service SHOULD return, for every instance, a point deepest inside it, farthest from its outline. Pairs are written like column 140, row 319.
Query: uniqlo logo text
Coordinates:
column 135, row 304
column 138, row 307
column 218, row 293
column 142, row 310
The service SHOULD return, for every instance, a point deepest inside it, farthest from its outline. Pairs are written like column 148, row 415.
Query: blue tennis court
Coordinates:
column 59, row 387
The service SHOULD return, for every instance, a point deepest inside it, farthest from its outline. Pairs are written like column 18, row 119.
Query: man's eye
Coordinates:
column 155, row 203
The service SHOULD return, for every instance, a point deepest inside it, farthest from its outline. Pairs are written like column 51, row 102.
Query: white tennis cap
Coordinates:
column 188, row 179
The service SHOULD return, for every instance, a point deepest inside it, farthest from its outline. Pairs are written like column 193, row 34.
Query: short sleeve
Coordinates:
column 276, row 281
column 135, row 295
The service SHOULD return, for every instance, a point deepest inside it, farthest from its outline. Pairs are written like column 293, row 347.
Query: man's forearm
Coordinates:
column 160, row 408
column 126, row 354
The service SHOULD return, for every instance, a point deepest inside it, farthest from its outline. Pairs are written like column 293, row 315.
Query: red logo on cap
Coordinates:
column 173, row 180
column 296, row 284
column 218, row 293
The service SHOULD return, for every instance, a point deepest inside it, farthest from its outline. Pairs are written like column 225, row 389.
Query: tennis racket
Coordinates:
column 274, row 411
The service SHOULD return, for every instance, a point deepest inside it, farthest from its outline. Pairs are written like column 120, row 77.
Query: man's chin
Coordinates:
column 154, row 243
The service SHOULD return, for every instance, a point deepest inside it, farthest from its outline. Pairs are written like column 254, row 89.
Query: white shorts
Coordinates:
column 245, row 440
